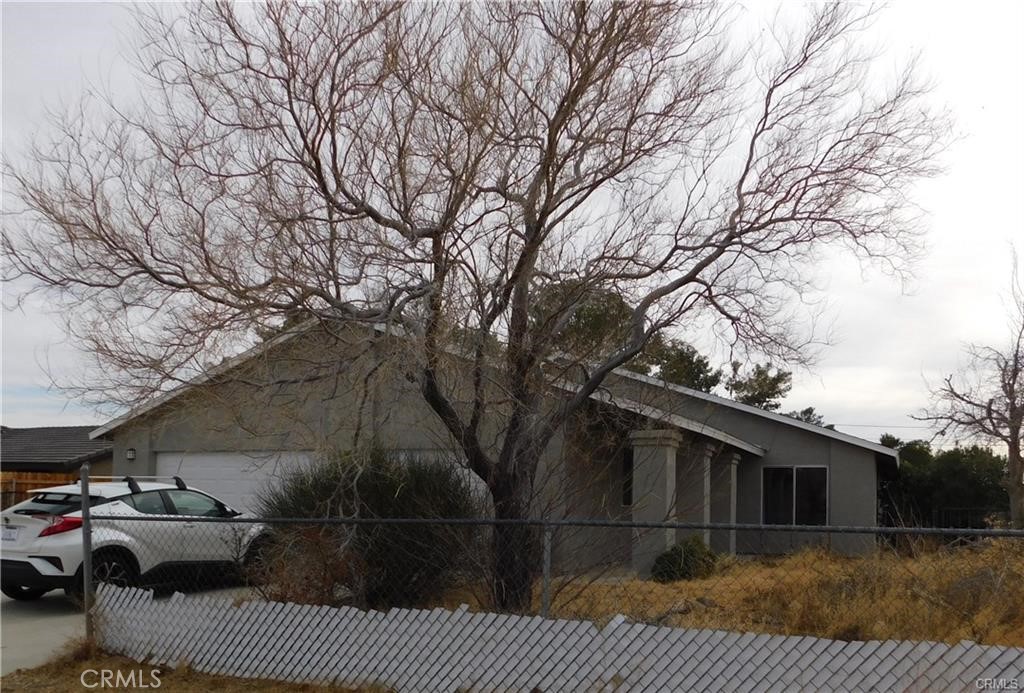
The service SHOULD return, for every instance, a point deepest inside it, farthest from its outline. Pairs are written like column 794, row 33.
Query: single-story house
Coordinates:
column 644, row 449
column 48, row 456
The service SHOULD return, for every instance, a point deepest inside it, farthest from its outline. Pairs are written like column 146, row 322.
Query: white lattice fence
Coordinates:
column 441, row 650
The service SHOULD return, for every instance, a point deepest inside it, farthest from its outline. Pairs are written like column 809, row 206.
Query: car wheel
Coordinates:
column 114, row 569
column 23, row 593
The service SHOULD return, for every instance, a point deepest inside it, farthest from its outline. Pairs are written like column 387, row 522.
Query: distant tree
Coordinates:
column 681, row 363
column 895, row 504
column 966, row 478
column 890, row 441
column 762, row 387
column 985, row 402
column 916, row 453
column 592, row 320
column 811, row 416
column 948, row 487
column 599, row 318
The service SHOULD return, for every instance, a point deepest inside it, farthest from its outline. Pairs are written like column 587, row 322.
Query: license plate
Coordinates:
column 10, row 533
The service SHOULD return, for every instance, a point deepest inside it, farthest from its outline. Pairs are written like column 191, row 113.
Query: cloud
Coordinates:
column 889, row 342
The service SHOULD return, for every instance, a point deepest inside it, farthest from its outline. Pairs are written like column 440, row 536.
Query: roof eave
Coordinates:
column 222, row 367
column 780, row 418
column 676, row 420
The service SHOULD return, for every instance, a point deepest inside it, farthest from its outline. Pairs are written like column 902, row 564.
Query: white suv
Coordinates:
column 41, row 538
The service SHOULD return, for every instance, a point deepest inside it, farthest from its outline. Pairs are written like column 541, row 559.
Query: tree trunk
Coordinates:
column 514, row 550
column 1015, row 486
column 1017, row 508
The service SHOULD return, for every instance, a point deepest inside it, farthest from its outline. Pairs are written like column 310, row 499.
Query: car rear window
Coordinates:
column 54, row 504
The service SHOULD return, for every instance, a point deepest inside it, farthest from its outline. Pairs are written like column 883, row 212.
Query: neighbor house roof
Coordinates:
column 49, row 448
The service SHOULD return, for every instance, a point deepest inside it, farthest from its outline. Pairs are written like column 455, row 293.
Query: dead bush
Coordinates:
column 368, row 564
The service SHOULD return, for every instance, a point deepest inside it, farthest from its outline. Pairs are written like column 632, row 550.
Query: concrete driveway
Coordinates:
column 33, row 632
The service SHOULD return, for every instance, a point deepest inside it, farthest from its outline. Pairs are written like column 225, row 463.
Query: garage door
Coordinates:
column 235, row 478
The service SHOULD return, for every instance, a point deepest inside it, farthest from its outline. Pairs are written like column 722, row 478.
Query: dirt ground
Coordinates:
column 65, row 674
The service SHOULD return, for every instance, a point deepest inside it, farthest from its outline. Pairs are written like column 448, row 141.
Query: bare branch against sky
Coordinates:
column 984, row 401
column 438, row 168
column 884, row 340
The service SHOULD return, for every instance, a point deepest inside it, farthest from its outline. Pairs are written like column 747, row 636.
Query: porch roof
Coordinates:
column 678, row 421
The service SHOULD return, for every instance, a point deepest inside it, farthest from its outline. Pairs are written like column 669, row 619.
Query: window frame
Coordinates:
column 66, row 506
column 169, row 502
column 794, row 467
column 129, row 499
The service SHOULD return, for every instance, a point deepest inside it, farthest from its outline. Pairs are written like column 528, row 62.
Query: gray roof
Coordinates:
column 49, row 448
column 227, row 364
column 682, row 422
column 778, row 418
column 223, row 367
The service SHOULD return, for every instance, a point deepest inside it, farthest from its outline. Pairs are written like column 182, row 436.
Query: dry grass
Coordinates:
column 973, row 593
column 64, row 674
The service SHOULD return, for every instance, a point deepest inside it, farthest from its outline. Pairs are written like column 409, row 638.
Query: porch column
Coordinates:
column 734, row 462
column 709, row 454
column 654, row 493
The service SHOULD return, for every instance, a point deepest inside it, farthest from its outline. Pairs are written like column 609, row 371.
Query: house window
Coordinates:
column 794, row 495
column 627, row 476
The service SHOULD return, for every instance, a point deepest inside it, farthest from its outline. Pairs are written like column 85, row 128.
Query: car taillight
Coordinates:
column 61, row 523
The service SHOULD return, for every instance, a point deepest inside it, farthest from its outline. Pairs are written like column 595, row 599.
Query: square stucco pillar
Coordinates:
column 709, row 454
column 654, row 491
column 734, row 462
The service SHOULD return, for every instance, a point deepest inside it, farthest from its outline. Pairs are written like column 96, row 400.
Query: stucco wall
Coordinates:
column 580, row 474
column 852, row 469
column 852, row 492
column 276, row 403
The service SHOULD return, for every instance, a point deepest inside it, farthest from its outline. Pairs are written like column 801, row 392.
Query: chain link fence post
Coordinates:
column 87, row 595
column 545, row 595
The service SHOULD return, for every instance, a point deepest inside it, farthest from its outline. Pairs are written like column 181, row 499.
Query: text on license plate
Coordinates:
column 10, row 533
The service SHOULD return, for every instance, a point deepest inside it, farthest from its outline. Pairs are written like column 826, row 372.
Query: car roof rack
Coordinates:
column 179, row 483
column 133, row 485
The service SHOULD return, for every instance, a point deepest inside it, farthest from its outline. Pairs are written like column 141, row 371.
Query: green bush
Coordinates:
column 373, row 565
column 686, row 561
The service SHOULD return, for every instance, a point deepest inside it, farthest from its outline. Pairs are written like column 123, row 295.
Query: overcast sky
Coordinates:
column 889, row 340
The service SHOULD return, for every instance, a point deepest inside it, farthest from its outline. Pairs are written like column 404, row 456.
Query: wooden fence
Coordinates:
column 443, row 650
column 15, row 486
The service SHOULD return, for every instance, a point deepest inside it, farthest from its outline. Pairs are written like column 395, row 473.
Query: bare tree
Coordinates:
column 438, row 167
column 985, row 401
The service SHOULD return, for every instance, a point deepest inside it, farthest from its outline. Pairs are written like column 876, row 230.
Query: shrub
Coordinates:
column 686, row 561
column 373, row 565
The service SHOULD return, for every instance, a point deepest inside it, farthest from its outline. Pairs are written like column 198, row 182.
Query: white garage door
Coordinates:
column 235, row 478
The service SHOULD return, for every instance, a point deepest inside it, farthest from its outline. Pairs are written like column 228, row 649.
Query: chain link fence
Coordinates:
column 841, row 608
column 477, row 603
column 916, row 584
